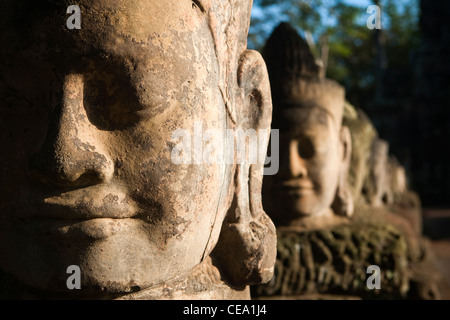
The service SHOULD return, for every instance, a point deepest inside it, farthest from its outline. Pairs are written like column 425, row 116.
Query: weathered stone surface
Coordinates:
column 375, row 187
column 409, row 206
column 363, row 133
column 203, row 283
column 88, row 177
column 375, row 177
column 327, row 168
column 333, row 262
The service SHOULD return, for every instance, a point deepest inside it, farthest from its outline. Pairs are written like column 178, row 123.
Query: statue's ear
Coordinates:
column 246, row 249
column 343, row 203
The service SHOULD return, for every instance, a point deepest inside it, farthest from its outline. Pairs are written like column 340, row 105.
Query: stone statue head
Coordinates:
column 396, row 186
column 315, row 148
column 376, row 185
column 398, row 182
column 87, row 119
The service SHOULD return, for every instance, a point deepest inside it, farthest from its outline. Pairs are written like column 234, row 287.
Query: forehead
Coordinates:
column 301, row 119
column 138, row 19
column 106, row 23
column 138, row 32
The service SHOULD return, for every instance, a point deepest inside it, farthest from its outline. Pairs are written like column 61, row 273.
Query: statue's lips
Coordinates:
column 94, row 229
column 82, row 204
column 296, row 186
column 95, row 212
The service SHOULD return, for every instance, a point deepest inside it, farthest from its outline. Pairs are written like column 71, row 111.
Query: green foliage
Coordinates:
column 352, row 58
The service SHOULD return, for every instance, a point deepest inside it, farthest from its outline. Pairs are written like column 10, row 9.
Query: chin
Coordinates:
column 306, row 208
column 119, row 264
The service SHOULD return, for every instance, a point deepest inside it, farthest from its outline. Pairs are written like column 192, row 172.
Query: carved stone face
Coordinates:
column 310, row 160
column 376, row 184
column 310, row 189
column 398, row 182
column 87, row 177
column 362, row 135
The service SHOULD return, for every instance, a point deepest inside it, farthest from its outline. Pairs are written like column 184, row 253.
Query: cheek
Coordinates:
column 325, row 170
column 144, row 163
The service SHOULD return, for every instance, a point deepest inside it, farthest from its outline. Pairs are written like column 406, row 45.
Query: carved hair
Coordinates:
column 229, row 21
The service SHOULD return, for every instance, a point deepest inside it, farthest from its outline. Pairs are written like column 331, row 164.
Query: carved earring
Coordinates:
column 343, row 203
column 246, row 249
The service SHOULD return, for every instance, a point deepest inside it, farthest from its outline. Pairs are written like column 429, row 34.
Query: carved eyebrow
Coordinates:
column 199, row 4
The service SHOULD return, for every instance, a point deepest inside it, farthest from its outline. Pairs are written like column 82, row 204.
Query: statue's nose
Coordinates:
column 293, row 165
column 73, row 154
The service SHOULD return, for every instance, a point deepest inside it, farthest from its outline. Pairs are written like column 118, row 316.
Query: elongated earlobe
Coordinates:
column 246, row 250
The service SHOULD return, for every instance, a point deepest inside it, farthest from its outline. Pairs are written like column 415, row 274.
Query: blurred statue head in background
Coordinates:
column 398, row 181
column 363, row 133
column 377, row 181
column 87, row 176
column 311, row 188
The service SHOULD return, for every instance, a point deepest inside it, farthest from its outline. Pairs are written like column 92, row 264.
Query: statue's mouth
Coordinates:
column 94, row 229
column 296, row 186
column 99, row 201
column 94, row 212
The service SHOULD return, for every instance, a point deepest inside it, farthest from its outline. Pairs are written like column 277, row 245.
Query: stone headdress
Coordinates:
column 296, row 79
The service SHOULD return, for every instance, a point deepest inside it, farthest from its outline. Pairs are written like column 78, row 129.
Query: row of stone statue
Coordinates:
column 340, row 201
column 88, row 185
